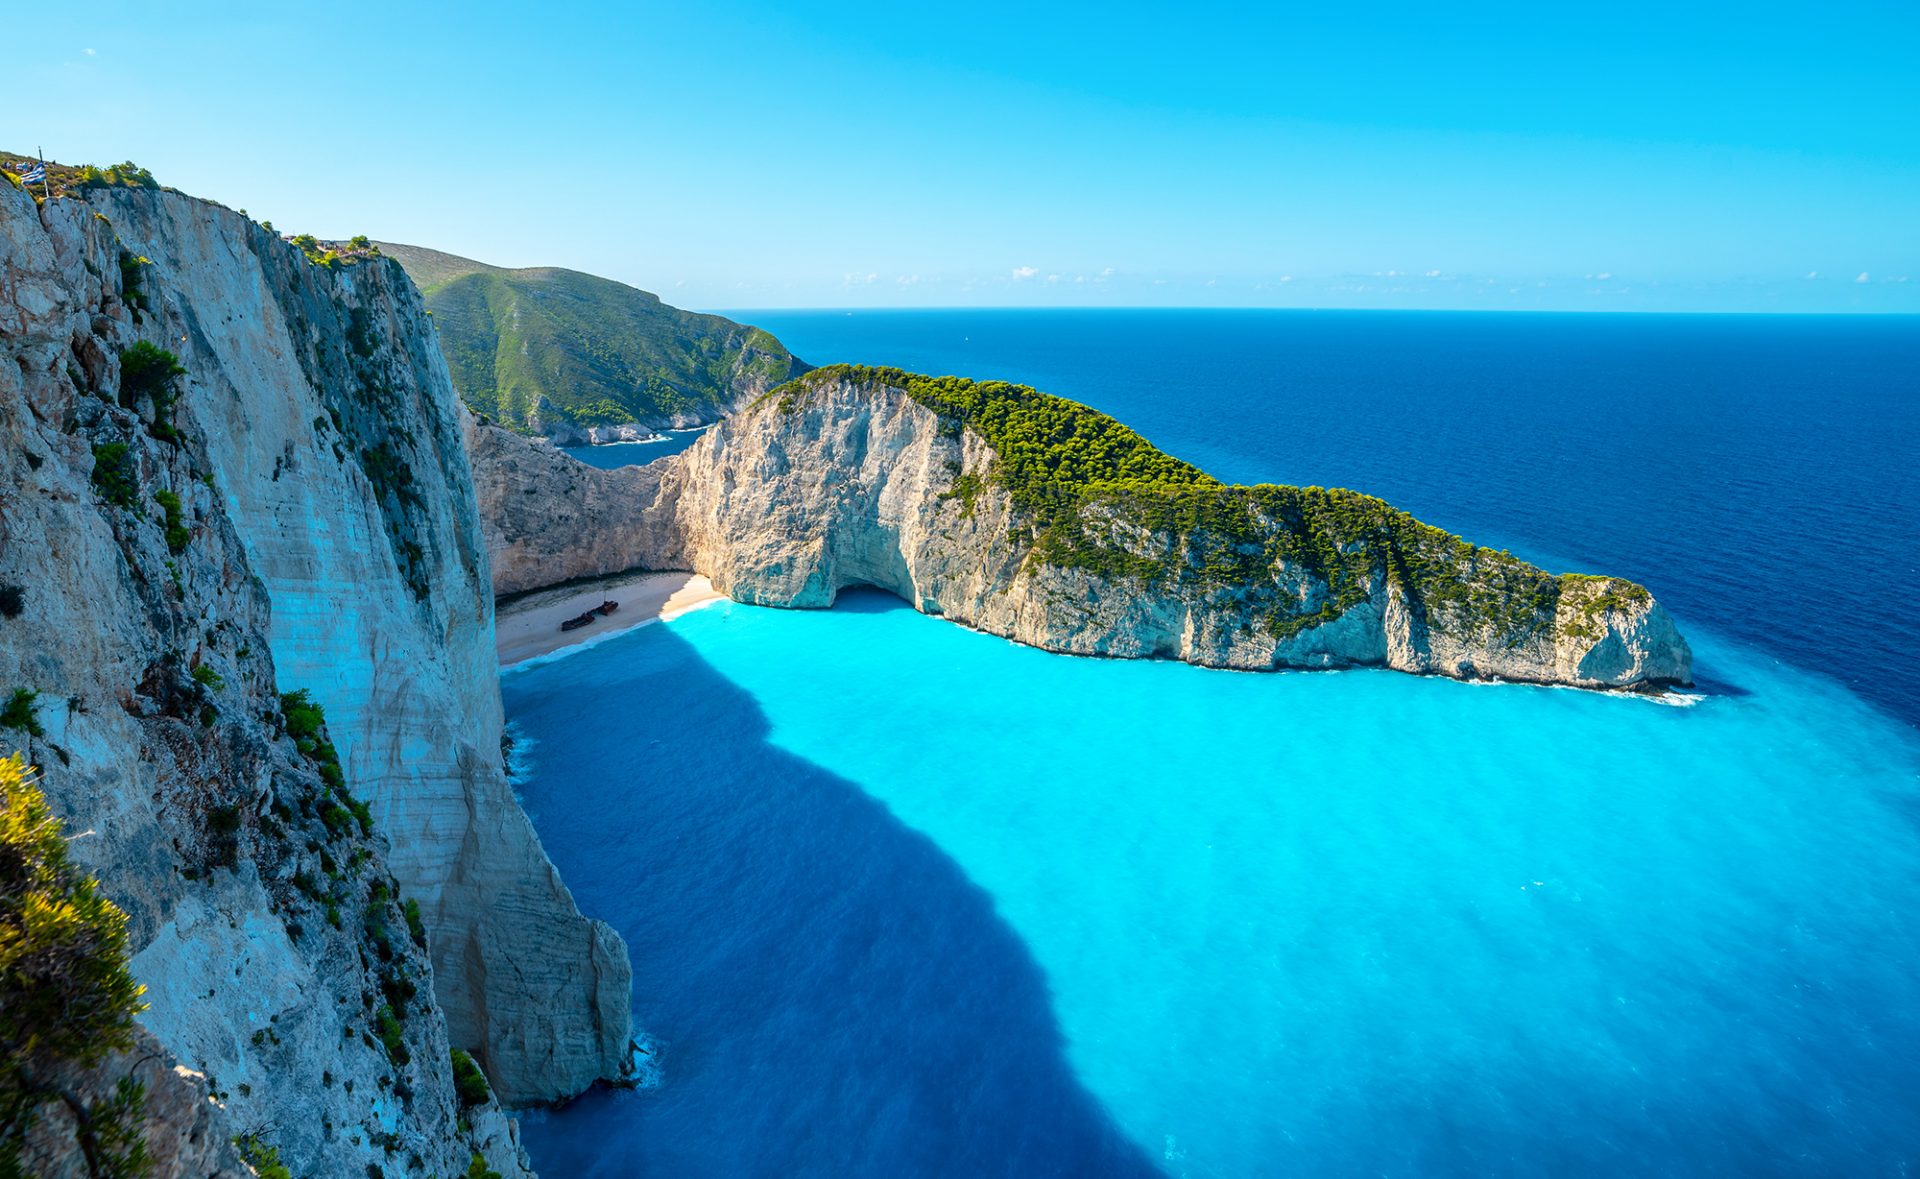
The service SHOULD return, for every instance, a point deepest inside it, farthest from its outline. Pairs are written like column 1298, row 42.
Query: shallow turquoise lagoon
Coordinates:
column 909, row 899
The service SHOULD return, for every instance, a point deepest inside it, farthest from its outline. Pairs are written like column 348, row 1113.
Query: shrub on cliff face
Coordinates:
column 113, row 474
column 468, row 1081
column 264, row 1159
column 66, row 995
column 177, row 535
column 148, row 371
column 132, row 290
column 65, row 991
column 18, row 713
column 392, row 1035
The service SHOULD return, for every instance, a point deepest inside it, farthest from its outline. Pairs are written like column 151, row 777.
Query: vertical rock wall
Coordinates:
column 301, row 519
column 347, row 480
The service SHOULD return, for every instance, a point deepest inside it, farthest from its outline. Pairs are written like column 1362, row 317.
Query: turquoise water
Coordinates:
column 1353, row 923
column 608, row 455
column 906, row 900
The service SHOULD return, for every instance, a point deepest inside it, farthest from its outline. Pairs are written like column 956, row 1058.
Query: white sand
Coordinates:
column 530, row 626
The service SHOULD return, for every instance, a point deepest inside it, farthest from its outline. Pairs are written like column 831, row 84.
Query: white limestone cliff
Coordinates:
column 845, row 479
column 326, row 540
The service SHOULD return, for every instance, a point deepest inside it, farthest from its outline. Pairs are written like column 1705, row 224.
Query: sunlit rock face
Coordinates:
column 300, row 518
column 845, row 478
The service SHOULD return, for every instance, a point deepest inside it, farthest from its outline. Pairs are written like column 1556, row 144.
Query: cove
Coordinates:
column 906, row 899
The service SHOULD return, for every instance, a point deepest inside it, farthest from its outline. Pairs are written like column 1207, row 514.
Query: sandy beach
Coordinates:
column 530, row 626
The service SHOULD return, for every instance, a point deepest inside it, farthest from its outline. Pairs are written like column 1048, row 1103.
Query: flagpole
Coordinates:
column 45, row 192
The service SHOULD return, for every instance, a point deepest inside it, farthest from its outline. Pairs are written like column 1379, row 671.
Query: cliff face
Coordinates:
column 298, row 519
column 872, row 477
column 549, row 518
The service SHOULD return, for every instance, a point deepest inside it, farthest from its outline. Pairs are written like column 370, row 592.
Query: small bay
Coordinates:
column 907, row 899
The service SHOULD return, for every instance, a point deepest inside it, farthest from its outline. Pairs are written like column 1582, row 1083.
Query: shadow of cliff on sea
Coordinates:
column 837, row 998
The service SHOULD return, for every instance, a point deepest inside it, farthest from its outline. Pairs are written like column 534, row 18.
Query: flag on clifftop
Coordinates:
column 35, row 175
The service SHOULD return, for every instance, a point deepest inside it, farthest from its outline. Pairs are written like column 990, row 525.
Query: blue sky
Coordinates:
column 1624, row 157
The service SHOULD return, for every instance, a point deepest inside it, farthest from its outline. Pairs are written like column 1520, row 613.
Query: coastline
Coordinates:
column 529, row 627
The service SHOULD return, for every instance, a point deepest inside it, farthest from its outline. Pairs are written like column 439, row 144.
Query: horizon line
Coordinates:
column 1596, row 311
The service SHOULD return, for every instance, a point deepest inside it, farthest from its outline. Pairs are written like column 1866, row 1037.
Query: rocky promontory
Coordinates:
column 1039, row 519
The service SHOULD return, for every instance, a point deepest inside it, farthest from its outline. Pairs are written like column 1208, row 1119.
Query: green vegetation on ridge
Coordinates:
column 1099, row 497
column 544, row 342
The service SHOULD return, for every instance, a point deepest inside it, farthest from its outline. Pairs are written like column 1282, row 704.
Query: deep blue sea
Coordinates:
column 904, row 899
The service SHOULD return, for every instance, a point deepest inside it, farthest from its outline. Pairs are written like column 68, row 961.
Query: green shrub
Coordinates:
column 125, row 174
column 478, row 1169
column 147, row 370
column 177, row 535
column 206, row 677
column 224, row 820
column 468, row 1081
column 416, row 928
column 19, row 713
column 392, row 1035
column 337, row 818
column 264, row 1159
column 113, row 474
column 304, row 718
column 132, row 279
column 65, row 991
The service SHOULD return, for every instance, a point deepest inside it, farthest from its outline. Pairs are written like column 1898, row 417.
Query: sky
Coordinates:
column 1678, row 156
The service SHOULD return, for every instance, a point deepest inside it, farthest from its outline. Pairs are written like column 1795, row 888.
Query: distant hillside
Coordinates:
column 431, row 268
column 555, row 352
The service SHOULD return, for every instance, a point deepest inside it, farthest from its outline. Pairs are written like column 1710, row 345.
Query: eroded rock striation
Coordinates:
column 319, row 913
column 1038, row 519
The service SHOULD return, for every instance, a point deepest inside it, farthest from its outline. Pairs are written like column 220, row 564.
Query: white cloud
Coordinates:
column 1813, row 274
column 1213, row 282
column 907, row 280
column 1053, row 278
column 88, row 52
column 1020, row 272
column 1863, row 277
column 1899, row 278
column 1433, row 274
column 1079, row 278
column 1604, row 275
column 1107, row 273
column 1286, row 278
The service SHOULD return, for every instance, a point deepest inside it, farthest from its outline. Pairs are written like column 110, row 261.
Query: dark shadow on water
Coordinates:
column 837, row 997
column 868, row 599
column 1711, row 685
